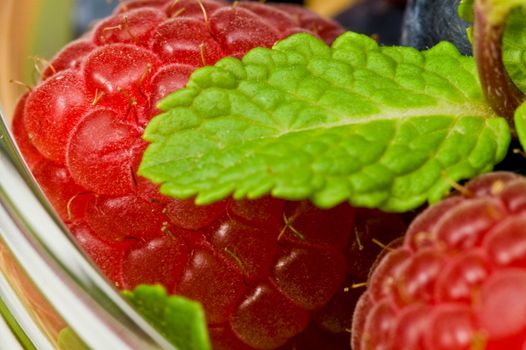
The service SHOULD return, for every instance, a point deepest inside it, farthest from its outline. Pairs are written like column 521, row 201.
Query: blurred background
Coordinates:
column 42, row 27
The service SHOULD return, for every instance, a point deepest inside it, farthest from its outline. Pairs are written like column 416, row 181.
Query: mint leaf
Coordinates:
column 69, row 340
column 180, row 320
column 514, row 43
column 465, row 10
column 502, row 94
column 385, row 127
column 520, row 124
column 514, row 54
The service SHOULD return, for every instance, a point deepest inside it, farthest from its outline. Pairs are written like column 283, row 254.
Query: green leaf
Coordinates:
column 465, row 10
column 180, row 320
column 69, row 340
column 514, row 55
column 499, row 9
column 514, row 52
column 385, row 127
column 520, row 124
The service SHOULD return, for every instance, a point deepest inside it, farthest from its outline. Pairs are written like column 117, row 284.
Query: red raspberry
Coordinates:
column 264, row 270
column 458, row 281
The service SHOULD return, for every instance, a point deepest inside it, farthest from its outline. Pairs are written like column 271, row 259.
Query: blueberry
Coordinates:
column 87, row 11
column 428, row 22
column 381, row 18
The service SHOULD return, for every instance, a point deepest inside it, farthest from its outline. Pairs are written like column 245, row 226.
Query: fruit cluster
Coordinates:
column 458, row 280
column 266, row 270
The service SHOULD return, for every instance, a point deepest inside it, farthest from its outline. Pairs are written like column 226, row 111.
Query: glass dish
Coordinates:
column 48, row 289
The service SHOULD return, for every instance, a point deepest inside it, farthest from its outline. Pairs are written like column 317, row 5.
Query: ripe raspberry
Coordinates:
column 459, row 279
column 81, row 128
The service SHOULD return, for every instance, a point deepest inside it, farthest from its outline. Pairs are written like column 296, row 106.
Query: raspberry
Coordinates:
column 269, row 273
column 31, row 155
column 458, row 280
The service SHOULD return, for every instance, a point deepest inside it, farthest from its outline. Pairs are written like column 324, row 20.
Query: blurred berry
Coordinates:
column 379, row 18
column 428, row 22
column 87, row 11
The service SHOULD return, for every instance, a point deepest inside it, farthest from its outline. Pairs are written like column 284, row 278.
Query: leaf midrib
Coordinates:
column 459, row 111
column 470, row 110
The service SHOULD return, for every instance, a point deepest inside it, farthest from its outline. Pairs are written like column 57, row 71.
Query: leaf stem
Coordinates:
column 501, row 93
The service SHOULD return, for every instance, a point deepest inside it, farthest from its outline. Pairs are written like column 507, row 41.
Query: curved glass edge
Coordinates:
column 8, row 339
column 53, row 262
column 27, row 311
column 20, row 319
